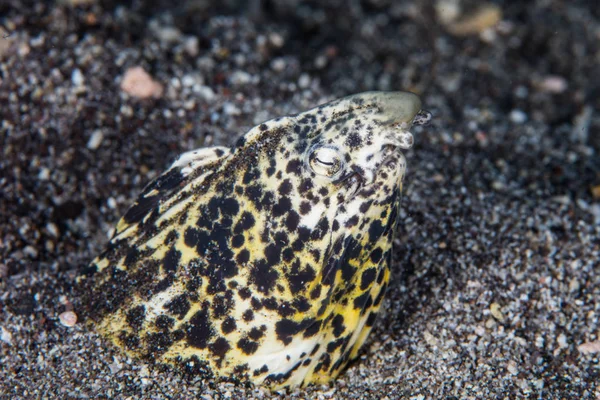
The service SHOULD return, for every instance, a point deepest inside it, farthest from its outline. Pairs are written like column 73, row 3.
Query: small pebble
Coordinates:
column 518, row 116
column 77, row 77
column 553, row 84
column 138, row 83
column 191, row 46
column 6, row 336
column 304, row 81
column 484, row 17
column 240, row 78
column 589, row 347
column 95, row 140
column 68, row 318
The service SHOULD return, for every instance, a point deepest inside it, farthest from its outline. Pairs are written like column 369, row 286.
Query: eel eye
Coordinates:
column 325, row 161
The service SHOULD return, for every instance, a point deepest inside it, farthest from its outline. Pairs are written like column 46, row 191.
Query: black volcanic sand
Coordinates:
column 495, row 290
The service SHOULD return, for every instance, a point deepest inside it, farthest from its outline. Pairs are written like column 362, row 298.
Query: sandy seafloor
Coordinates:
column 496, row 278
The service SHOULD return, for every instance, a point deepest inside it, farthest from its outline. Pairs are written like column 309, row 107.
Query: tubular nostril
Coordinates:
column 423, row 117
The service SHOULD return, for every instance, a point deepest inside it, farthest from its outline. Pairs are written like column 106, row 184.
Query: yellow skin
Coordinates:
column 268, row 261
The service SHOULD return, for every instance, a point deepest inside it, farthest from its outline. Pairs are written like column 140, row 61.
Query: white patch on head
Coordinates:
column 311, row 219
column 191, row 160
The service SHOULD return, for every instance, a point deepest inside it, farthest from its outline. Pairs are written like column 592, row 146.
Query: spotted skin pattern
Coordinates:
column 267, row 261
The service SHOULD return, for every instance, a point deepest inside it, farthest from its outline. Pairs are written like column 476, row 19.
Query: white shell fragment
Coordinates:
column 68, row 318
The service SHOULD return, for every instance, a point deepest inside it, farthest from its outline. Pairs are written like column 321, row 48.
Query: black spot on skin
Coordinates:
column 263, row 276
column 376, row 256
column 273, row 254
column 375, row 231
column 229, row 325
column 283, row 205
column 190, row 237
column 303, row 237
column 268, row 200
column 141, row 208
column 338, row 325
column 381, row 294
column 242, row 257
column 285, row 309
column 354, row 140
column 367, row 278
column 247, row 346
column 270, row 303
column 240, row 370
column 312, row 330
column 199, row 329
column 194, row 283
column 335, row 226
column 321, row 229
column 324, row 363
column 251, row 175
column 263, row 127
column 219, row 347
column 129, row 341
column 371, row 318
column 171, row 260
column 136, row 317
column 330, row 270
column 299, row 278
column 164, row 322
column 286, row 328
column 285, row 188
column 240, row 142
column 315, row 349
column 255, row 334
column 246, row 222
column 294, row 167
column 256, row 304
column 163, row 284
column 292, row 221
column 334, row 345
column 245, row 293
column 301, row 304
column 248, row 315
column 131, row 257
column 305, row 207
column 361, row 301
column 237, row 241
column 305, row 186
column 222, row 304
column 316, row 292
column 203, row 241
column 179, row 306
column 263, row 370
column 171, row 237
column 178, row 335
column 316, row 254
column 254, row 194
column 158, row 343
column 229, row 207
column 270, row 171
column 352, row 221
column 381, row 275
column 287, row 254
